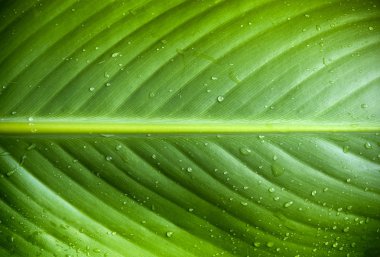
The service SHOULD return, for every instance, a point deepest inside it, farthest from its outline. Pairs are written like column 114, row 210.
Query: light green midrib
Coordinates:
column 179, row 127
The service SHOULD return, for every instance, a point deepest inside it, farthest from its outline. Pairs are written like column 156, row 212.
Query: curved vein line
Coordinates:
column 220, row 26
column 96, row 60
column 81, row 211
column 280, row 55
column 312, row 166
column 70, row 153
column 345, row 97
column 269, row 182
column 225, row 185
column 38, row 30
column 16, row 18
column 175, row 203
column 12, row 210
column 72, row 207
column 51, row 48
column 148, row 48
column 242, row 44
column 315, row 73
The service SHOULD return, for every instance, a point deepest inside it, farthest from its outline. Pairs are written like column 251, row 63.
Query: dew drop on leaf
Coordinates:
column 245, row 151
column 314, row 193
column 364, row 106
column 220, row 98
column 169, row 234
column 91, row 89
column 367, row 145
column 346, row 149
column 277, row 170
column 271, row 189
column 108, row 158
column 270, row 244
column 288, row 204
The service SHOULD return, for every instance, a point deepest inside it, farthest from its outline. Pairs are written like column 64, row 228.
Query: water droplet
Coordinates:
column 169, row 234
column 13, row 113
column 335, row 244
column 115, row 55
column 288, row 204
column 214, row 78
column 220, row 98
column 191, row 209
column 318, row 27
column 245, row 151
column 364, row 106
column 189, row 169
column 91, row 89
column 152, row 94
column 349, row 207
column 314, row 193
column 275, row 157
column 30, row 119
column 367, row 145
column 348, row 180
column 276, row 198
column 325, row 189
column 108, row 84
column 346, row 148
column 270, row 244
column 346, row 229
column 118, row 147
column 271, row 189
column 109, row 158
column 277, row 170
column 370, row 28
column 244, row 203
column 257, row 244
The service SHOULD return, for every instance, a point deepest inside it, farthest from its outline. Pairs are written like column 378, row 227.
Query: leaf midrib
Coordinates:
column 179, row 127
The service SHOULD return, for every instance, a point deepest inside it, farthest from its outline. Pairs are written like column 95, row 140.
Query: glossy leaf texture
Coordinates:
column 189, row 128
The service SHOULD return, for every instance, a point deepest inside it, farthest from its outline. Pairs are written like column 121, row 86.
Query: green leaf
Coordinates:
column 189, row 128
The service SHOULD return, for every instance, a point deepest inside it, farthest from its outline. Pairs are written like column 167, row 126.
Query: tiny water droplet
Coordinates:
column 118, row 147
column 346, row 229
column 275, row 157
column 91, row 89
column 335, row 244
column 189, row 169
column 109, row 158
column 244, row 203
column 108, row 84
column 364, row 106
column 169, row 234
column 191, row 209
column 257, row 244
column 325, row 189
column 367, row 145
column 288, row 204
column 270, row 244
column 314, row 193
column 214, row 78
column 271, row 189
column 277, row 170
column 276, row 198
column 318, row 27
column 115, row 55
column 346, row 149
column 30, row 119
column 13, row 113
column 245, row 151
column 370, row 28
column 220, row 98
column 31, row 147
